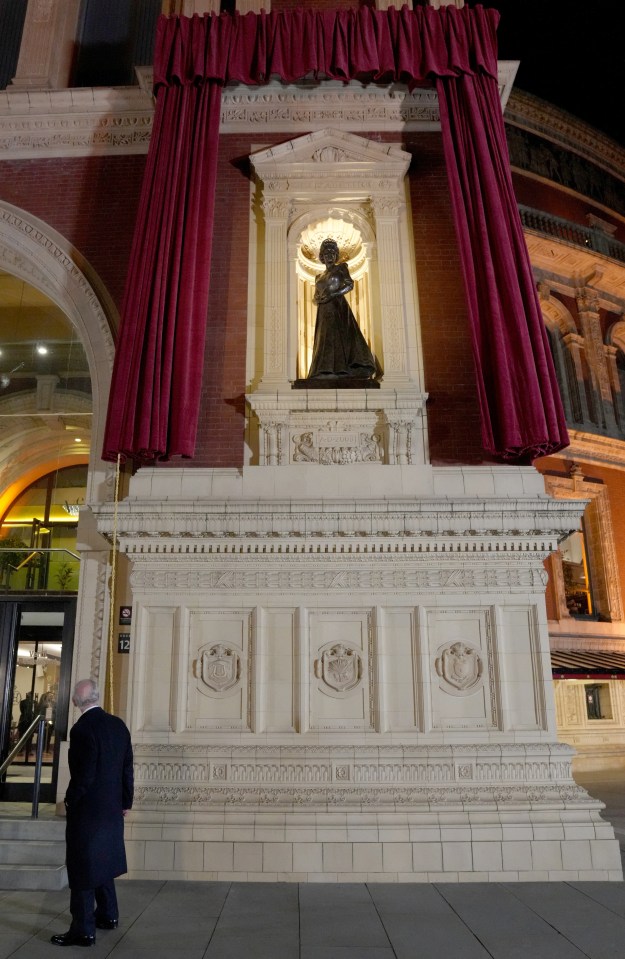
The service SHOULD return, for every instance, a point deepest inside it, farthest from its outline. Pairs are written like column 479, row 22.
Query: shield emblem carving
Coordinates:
column 341, row 668
column 220, row 668
column 460, row 666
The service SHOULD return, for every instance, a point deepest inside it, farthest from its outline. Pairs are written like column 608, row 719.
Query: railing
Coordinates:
column 590, row 238
column 39, row 723
column 41, row 568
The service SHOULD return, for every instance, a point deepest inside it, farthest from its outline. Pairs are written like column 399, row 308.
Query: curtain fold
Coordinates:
column 521, row 411
column 154, row 403
column 154, row 406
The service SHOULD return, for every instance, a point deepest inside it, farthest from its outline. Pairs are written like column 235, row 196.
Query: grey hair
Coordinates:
column 89, row 692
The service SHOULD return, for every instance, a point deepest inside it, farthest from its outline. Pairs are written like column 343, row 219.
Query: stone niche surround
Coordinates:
column 343, row 674
column 333, row 176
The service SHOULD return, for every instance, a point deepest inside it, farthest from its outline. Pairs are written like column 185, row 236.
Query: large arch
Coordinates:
column 36, row 253
column 33, row 251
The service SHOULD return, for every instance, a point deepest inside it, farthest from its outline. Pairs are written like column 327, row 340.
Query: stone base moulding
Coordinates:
column 343, row 674
column 393, row 814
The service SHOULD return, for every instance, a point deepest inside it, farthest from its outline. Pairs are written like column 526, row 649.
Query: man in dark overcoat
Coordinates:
column 98, row 797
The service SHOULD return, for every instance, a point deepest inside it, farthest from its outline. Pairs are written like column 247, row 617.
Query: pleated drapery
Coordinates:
column 155, row 395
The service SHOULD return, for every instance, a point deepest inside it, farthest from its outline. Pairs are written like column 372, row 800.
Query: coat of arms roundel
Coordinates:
column 340, row 668
column 459, row 665
column 219, row 667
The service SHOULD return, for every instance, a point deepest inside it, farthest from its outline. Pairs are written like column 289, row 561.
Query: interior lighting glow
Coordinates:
column 42, row 349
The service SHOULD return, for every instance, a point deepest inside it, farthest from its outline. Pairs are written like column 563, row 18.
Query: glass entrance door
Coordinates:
column 36, row 638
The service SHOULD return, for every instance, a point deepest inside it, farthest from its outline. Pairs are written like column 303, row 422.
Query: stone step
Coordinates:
column 33, row 877
column 32, row 852
column 32, row 829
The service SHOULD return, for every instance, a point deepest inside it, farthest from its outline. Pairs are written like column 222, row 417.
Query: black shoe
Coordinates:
column 72, row 939
column 107, row 923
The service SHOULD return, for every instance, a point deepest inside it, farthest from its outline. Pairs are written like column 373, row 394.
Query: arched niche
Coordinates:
column 356, row 243
column 323, row 183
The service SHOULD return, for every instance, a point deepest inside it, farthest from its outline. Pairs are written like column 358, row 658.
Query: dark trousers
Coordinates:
column 87, row 905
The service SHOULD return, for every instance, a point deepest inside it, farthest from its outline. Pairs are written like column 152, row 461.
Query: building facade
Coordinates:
column 329, row 631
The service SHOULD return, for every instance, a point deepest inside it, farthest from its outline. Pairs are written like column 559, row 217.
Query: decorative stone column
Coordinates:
column 48, row 42
column 618, row 400
column 588, row 306
column 387, row 210
column 275, row 357
column 575, row 344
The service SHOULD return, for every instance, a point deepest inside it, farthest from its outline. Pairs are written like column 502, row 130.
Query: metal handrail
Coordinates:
column 39, row 549
column 39, row 723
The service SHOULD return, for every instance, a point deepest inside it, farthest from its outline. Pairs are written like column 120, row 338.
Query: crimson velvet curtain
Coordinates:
column 155, row 396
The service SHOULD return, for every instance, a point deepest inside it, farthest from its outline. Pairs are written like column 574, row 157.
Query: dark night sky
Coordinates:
column 572, row 54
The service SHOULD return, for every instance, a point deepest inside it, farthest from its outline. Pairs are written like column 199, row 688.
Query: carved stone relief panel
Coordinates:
column 342, row 694
column 375, row 429
column 219, row 673
column 218, row 667
column 460, row 668
column 459, row 645
column 335, row 441
column 339, row 668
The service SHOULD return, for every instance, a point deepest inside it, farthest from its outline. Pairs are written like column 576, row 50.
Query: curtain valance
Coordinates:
column 155, row 396
column 405, row 45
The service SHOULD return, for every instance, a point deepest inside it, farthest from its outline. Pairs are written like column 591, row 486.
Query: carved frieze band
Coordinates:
column 290, row 578
column 79, row 122
column 331, row 449
column 467, row 794
column 363, row 775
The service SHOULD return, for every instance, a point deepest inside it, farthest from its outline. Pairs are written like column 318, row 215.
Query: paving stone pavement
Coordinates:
column 221, row 920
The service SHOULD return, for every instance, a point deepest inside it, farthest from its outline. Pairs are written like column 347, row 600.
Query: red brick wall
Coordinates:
column 452, row 409
column 91, row 201
column 453, row 414
column 222, row 418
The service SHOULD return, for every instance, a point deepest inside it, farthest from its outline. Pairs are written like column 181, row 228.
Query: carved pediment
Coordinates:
column 326, row 152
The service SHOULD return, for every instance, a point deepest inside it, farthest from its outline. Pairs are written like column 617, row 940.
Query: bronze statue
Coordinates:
column 339, row 347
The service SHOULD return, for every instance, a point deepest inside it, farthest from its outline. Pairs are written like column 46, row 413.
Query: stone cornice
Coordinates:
column 294, row 528
column 92, row 121
column 537, row 116
column 74, row 122
column 566, row 267
column 591, row 448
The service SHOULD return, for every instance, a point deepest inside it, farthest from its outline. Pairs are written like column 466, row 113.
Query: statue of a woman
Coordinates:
column 339, row 347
